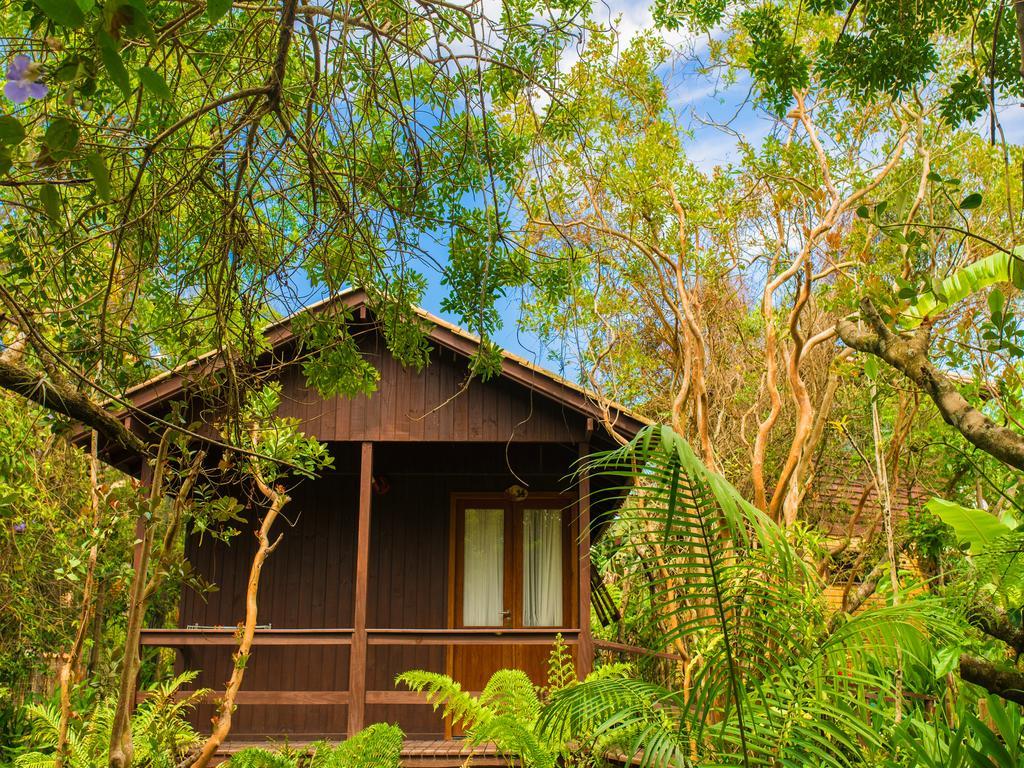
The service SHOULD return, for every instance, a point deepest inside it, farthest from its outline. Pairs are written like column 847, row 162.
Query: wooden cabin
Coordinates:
column 452, row 534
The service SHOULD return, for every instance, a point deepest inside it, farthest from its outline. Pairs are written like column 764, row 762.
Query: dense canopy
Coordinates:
column 788, row 231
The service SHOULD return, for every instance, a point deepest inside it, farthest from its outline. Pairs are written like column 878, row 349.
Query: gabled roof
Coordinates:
column 440, row 333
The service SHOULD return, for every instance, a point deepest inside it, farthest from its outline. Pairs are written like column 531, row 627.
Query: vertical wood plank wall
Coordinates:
column 426, row 405
column 307, row 582
column 309, row 579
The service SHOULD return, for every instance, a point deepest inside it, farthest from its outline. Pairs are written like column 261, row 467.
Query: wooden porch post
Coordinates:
column 357, row 656
column 585, row 648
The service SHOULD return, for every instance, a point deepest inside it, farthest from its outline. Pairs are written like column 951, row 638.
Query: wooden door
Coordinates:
column 512, row 569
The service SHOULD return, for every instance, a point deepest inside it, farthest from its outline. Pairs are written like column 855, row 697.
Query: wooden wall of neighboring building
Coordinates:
column 307, row 581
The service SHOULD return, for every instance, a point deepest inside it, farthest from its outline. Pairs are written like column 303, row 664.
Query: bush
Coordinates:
column 378, row 746
column 160, row 732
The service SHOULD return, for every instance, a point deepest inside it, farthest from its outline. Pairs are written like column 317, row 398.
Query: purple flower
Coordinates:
column 20, row 527
column 23, row 80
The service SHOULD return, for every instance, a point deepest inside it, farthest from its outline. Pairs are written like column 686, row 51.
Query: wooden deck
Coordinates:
column 415, row 754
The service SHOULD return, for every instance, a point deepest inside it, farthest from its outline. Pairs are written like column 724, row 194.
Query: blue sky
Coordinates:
column 702, row 104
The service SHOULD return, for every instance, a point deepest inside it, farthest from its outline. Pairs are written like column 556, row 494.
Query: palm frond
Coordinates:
column 767, row 683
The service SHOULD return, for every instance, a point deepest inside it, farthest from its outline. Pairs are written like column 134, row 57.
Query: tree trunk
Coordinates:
column 68, row 676
column 121, row 747
column 222, row 721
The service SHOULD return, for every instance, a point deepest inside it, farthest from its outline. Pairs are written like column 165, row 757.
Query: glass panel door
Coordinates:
column 543, row 570
column 483, row 570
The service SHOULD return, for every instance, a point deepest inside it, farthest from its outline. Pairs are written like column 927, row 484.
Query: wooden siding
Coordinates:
column 430, row 405
column 307, row 581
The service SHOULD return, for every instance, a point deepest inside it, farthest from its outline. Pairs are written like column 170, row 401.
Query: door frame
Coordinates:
column 568, row 503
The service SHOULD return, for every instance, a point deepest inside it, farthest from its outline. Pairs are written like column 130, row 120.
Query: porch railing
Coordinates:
column 192, row 638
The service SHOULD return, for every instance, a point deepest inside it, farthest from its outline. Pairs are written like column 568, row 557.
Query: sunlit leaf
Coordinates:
column 64, row 13
column 154, row 82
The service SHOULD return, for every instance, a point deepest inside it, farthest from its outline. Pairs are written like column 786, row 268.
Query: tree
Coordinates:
column 175, row 175
column 866, row 51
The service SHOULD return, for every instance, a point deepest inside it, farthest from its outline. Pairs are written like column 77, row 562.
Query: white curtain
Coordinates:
column 484, row 562
column 542, row 568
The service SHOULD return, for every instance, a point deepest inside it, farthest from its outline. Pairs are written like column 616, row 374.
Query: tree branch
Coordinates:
column 997, row 624
column 1004, row 682
column 908, row 354
column 69, row 402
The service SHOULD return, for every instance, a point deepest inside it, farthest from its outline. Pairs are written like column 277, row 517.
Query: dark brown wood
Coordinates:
column 323, row 520
column 274, row 698
column 585, row 649
column 476, row 637
column 357, row 659
column 309, row 586
column 180, row 638
column 395, row 697
column 406, row 401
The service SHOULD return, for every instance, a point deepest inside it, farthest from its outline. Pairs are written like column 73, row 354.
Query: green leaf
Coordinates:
column 11, row 131
column 945, row 660
column 100, row 175
column 880, row 208
column 215, row 9
column 50, row 198
column 862, row 211
column 871, row 367
column 154, row 82
column 996, row 301
column 113, row 63
column 64, row 13
column 974, row 526
column 971, row 202
column 61, row 138
column 991, row 270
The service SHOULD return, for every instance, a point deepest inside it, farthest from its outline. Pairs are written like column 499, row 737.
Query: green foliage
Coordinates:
column 561, row 670
column 866, row 50
column 377, row 746
column 774, row 683
column 280, row 443
column 776, row 62
column 160, row 732
column 508, row 709
column 996, row 741
column 995, row 545
column 996, row 269
column 505, row 712
column 183, row 177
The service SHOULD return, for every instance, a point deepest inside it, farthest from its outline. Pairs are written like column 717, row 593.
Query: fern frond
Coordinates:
column 772, row 686
column 561, row 670
column 444, row 693
column 255, row 757
column 35, row 760
column 514, row 738
column 377, row 746
column 511, row 692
